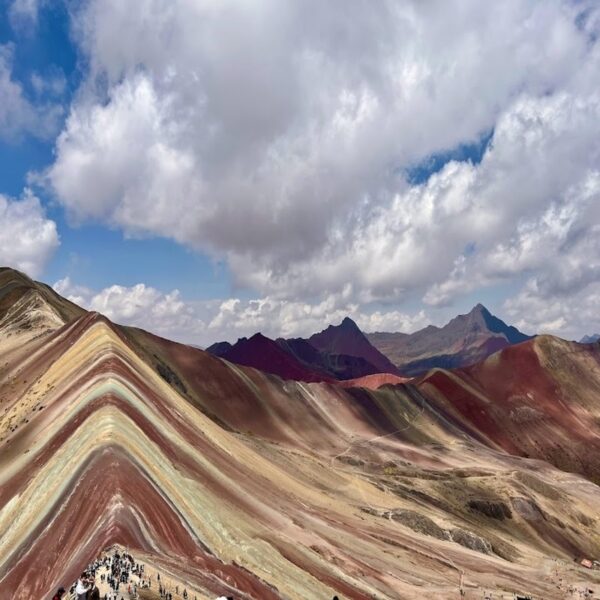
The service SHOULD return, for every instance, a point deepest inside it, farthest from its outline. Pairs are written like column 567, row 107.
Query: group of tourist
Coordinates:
column 116, row 572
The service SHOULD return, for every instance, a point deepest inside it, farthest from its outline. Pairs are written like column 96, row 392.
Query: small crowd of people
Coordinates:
column 116, row 572
column 119, row 569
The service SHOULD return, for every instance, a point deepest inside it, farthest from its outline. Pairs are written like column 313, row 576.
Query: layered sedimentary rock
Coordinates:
column 238, row 482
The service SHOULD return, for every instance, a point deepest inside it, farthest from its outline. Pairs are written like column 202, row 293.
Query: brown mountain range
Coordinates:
column 465, row 340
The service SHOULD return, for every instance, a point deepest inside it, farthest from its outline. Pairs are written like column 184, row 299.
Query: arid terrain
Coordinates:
column 234, row 481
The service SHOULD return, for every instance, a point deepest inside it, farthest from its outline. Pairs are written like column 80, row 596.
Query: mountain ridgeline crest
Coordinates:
column 465, row 340
column 234, row 481
column 343, row 352
column 339, row 352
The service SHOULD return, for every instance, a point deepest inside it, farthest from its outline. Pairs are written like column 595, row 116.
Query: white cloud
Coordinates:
column 15, row 111
column 53, row 83
column 23, row 14
column 203, row 323
column 78, row 294
column 27, row 237
column 17, row 114
column 139, row 306
column 275, row 134
column 570, row 316
column 282, row 318
column 125, row 147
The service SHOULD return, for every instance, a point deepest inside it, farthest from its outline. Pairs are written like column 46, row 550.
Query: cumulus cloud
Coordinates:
column 570, row 316
column 27, row 237
column 54, row 83
column 278, row 136
column 282, row 318
column 139, row 306
column 203, row 323
column 541, row 181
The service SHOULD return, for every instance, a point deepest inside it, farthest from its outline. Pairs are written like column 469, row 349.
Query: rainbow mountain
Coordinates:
column 236, row 482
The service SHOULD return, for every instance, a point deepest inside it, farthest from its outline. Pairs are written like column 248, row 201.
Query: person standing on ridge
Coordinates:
column 83, row 587
column 95, row 592
column 59, row 594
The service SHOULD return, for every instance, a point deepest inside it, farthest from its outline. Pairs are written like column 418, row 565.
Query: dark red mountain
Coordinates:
column 338, row 366
column 267, row 355
column 346, row 338
column 339, row 352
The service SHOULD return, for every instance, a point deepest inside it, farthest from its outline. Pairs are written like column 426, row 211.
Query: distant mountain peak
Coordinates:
column 348, row 339
column 480, row 309
column 348, row 323
column 465, row 339
column 27, row 305
column 346, row 326
column 257, row 336
column 219, row 348
column 265, row 354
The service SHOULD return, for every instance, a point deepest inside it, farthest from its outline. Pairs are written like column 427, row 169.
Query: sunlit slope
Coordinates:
column 30, row 305
column 539, row 399
column 413, row 445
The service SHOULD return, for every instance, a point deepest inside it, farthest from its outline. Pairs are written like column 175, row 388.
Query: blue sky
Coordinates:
column 94, row 255
column 207, row 173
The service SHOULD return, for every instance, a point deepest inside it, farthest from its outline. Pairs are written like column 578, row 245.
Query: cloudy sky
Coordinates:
column 206, row 169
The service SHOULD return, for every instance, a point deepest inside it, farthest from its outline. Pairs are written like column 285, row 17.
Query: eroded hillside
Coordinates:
column 235, row 481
